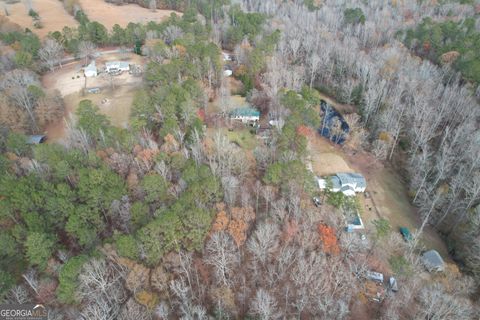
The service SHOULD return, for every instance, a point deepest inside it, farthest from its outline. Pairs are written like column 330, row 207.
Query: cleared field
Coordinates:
column 109, row 14
column 116, row 103
column 325, row 158
column 70, row 79
column 386, row 187
column 51, row 12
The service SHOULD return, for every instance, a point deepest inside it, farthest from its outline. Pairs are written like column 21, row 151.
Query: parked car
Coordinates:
column 407, row 236
column 93, row 90
column 317, row 201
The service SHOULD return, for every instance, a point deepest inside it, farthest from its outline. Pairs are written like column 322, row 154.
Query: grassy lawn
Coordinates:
column 243, row 138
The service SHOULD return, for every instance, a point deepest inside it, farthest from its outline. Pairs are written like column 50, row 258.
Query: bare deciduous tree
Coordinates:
column 51, row 53
column 18, row 85
column 86, row 49
column 263, row 242
column 222, row 254
column 437, row 304
column 264, row 305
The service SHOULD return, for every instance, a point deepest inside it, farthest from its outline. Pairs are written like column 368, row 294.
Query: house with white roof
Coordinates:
column 347, row 183
column 116, row 66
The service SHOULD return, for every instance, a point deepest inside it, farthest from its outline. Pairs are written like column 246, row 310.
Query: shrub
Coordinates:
column 68, row 279
column 382, row 227
column 400, row 265
column 354, row 16
column 127, row 247
column 32, row 13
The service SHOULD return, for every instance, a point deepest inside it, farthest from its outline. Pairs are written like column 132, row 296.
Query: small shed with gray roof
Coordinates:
column 36, row 139
column 433, row 261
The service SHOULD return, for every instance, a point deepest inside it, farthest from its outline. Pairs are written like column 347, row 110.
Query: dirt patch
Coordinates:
column 70, row 78
column 97, row 10
column 67, row 80
column 340, row 107
column 326, row 159
column 52, row 15
column 115, row 104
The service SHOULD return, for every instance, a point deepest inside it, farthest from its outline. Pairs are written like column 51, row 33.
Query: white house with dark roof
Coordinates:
column 347, row 183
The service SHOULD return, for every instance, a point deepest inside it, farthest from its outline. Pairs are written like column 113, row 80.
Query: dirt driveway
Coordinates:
column 116, row 104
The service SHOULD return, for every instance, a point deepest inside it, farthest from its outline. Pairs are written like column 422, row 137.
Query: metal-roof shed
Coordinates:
column 245, row 112
column 36, row 139
column 433, row 261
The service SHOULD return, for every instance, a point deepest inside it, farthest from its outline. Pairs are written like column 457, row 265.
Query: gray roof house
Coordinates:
column 433, row 261
column 347, row 183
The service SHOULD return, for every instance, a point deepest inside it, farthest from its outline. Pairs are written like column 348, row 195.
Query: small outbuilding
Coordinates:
column 392, row 284
column 374, row 276
column 433, row 261
column 90, row 70
column 245, row 114
column 36, row 139
column 226, row 56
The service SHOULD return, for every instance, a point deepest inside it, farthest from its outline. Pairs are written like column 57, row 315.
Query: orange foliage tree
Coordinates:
column 237, row 226
column 329, row 239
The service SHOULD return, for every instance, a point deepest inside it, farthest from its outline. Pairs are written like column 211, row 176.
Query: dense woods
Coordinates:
column 169, row 219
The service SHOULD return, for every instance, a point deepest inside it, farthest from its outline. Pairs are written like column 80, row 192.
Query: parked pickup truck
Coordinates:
column 406, row 233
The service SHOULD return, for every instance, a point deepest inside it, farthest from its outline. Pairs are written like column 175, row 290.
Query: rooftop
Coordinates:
column 36, row 139
column 433, row 260
column 352, row 178
column 91, row 66
column 245, row 112
column 114, row 64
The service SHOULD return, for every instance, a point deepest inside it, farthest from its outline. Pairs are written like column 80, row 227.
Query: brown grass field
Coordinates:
column 51, row 12
column 54, row 17
column 109, row 14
